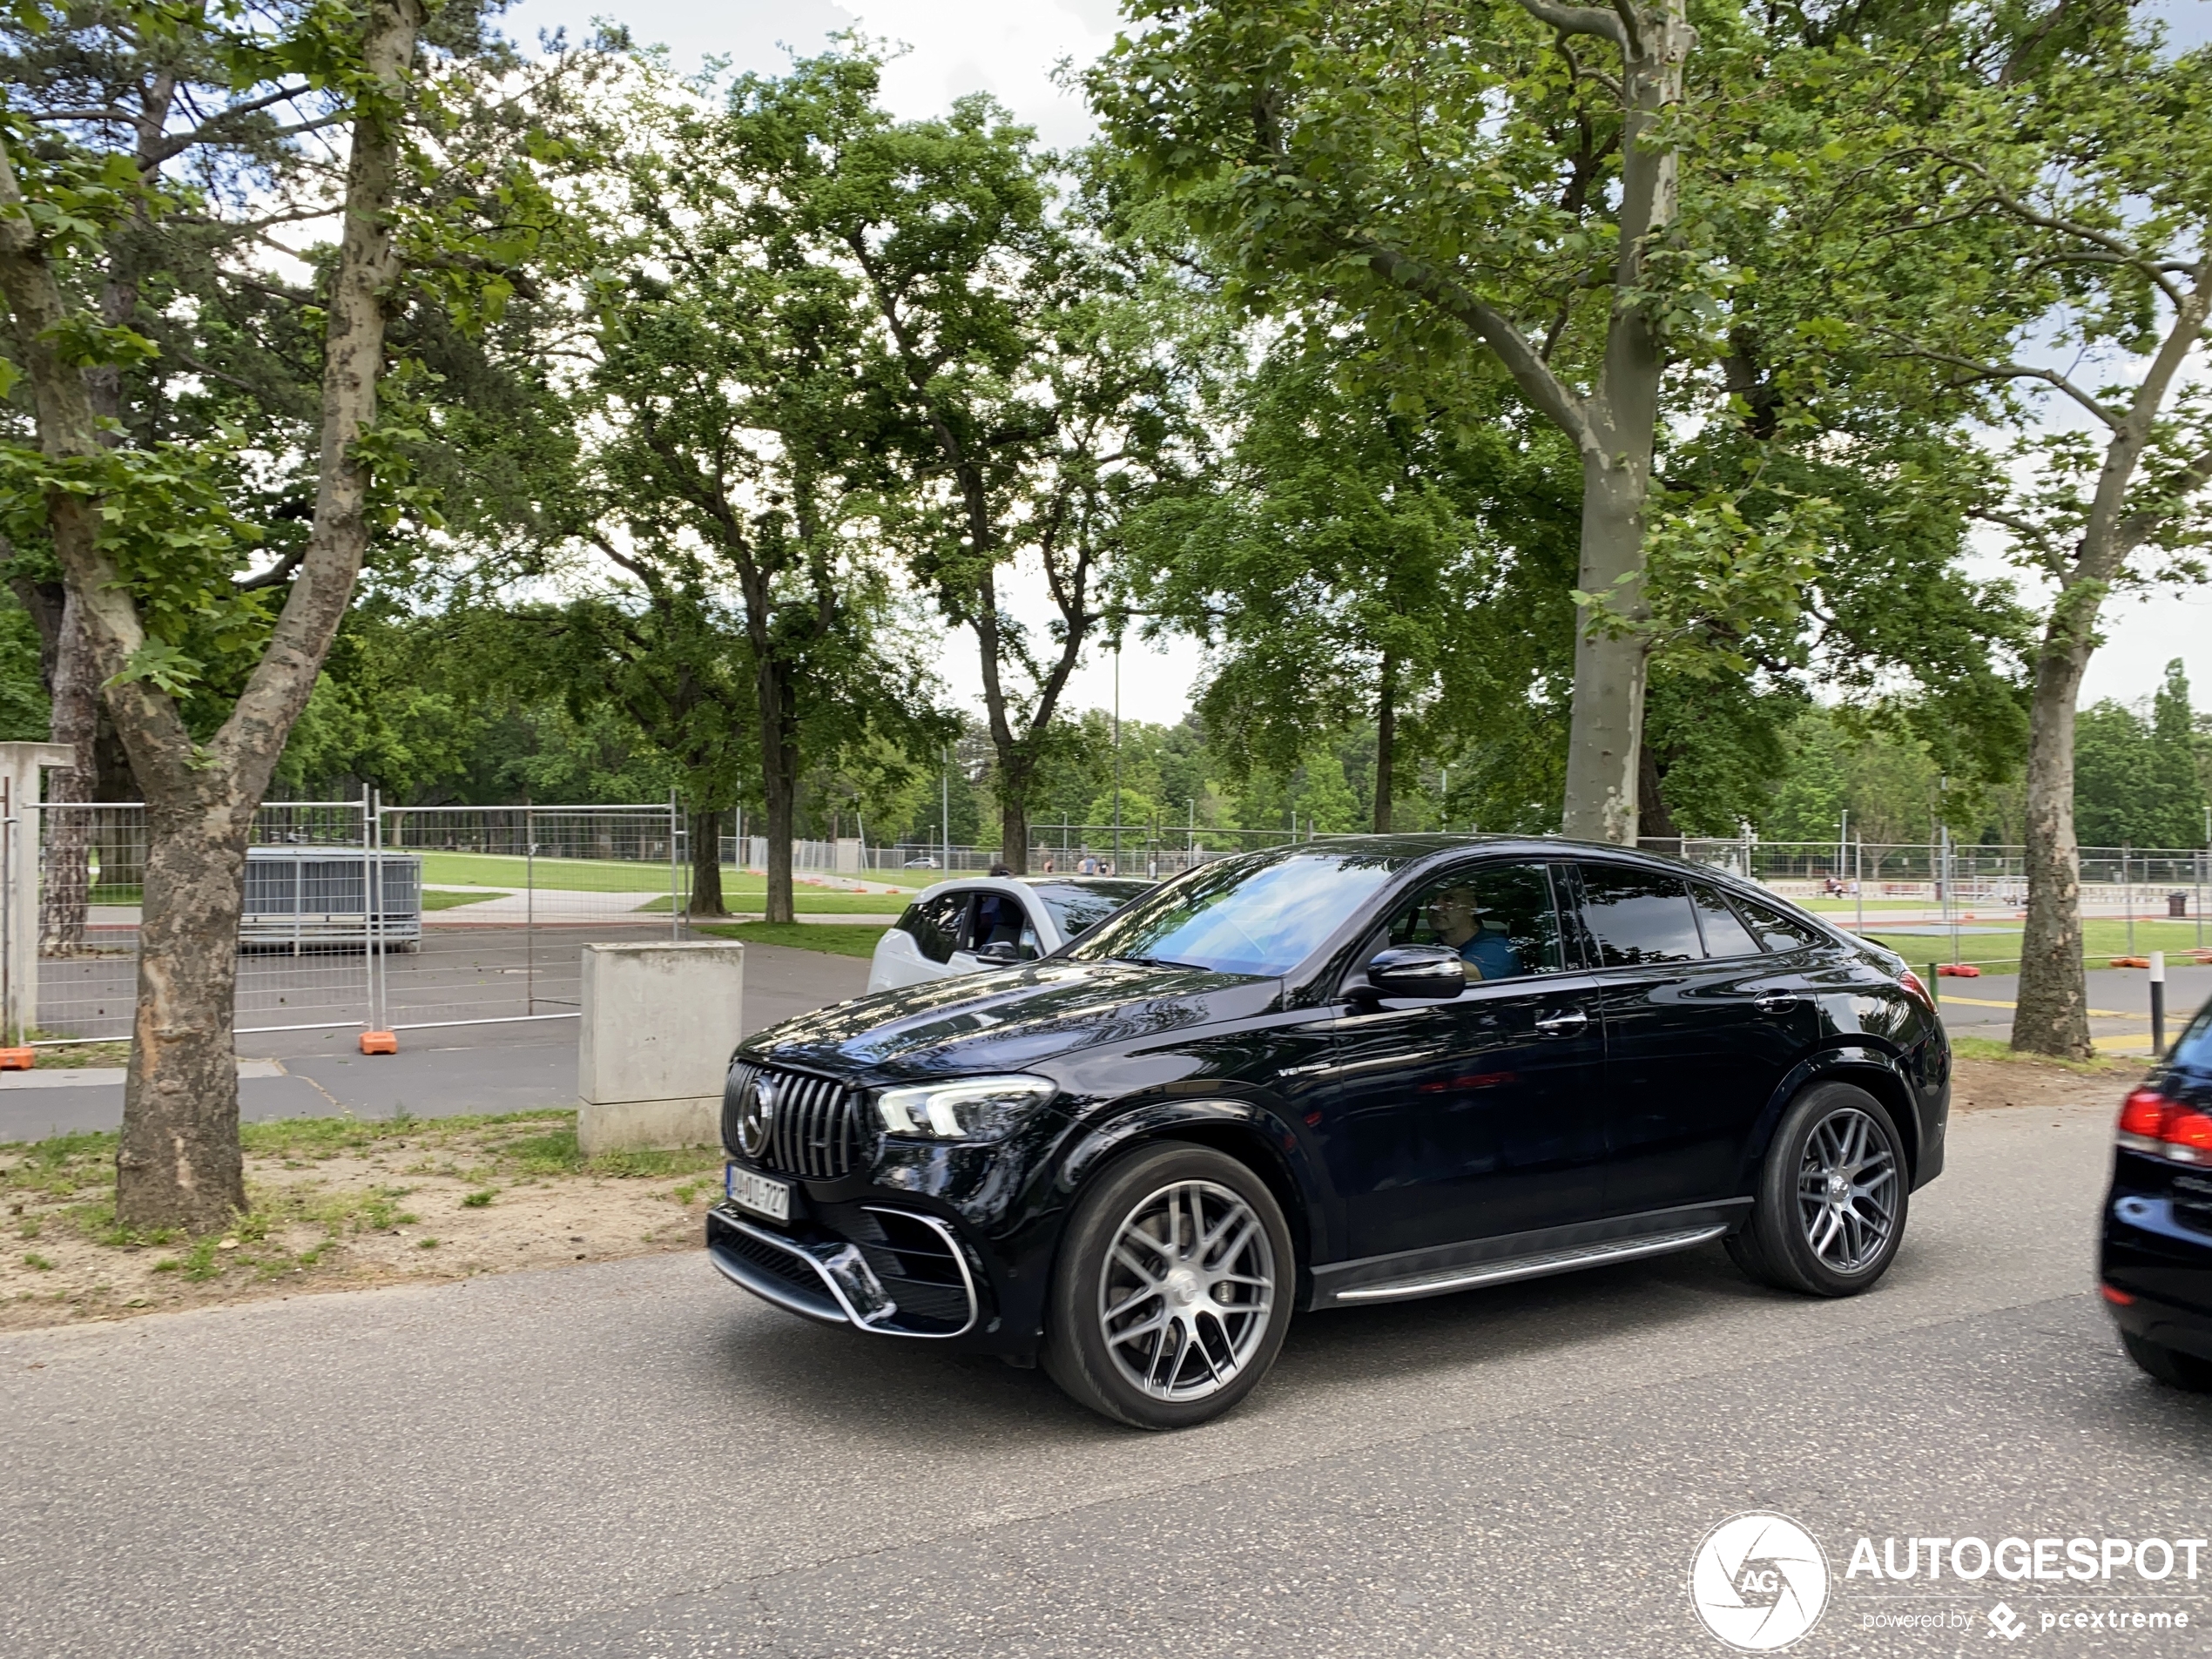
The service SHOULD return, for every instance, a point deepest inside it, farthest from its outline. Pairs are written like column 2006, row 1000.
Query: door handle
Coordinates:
column 1777, row 1003
column 1562, row 1025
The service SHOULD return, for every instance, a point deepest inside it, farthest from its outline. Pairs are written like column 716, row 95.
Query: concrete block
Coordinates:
column 659, row 1021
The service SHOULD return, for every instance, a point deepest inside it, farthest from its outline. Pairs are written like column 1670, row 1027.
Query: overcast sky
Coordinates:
column 1009, row 47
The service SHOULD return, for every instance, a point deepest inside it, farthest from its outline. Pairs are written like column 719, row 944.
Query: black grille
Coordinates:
column 813, row 1129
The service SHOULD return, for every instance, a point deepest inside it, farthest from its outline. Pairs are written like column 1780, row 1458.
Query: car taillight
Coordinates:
column 1911, row 982
column 2150, row 1122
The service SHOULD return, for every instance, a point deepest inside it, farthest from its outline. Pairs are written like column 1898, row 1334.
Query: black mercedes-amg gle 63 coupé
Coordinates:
column 1329, row 1074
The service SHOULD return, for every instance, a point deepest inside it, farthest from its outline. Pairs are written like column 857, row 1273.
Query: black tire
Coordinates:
column 2170, row 1365
column 1147, row 1197
column 1777, row 1245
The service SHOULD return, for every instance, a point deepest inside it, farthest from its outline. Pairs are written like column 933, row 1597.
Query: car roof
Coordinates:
column 1103, row 883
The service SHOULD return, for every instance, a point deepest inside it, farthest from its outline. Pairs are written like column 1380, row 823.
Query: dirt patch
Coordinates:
column 1988, row 1085
column 340, row 1204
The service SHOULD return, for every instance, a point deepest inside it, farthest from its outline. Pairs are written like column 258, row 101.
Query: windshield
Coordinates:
column 1240, row 916
column 1077, row 910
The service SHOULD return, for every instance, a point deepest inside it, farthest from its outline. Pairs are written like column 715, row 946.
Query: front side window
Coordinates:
column 999, row 919
column 1498, row 917
column 1261, row 915
column 1637, row 918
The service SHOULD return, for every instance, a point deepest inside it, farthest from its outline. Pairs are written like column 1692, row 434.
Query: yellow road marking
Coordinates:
column 1984, row 1002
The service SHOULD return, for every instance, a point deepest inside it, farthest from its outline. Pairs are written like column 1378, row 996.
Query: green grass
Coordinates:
column 2102, row 940
column 582, row 875
column 630, row 875
column 77, row 1173
column 433, row 900
column 2102, row 1066
column 805, row 901
column 832, row 939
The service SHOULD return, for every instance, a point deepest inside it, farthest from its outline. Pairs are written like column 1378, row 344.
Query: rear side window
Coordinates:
column 2193, row 1051
column 935, row 923
column 1775, row 930
column 1725, row 934
column 1636, row 917
column 1076, row 910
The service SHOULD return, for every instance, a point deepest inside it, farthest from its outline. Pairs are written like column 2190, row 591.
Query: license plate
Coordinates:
column 757, row 1192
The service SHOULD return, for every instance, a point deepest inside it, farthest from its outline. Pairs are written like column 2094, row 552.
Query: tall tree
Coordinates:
column 203, row 672
column 736, row 461
column 1499, row 173
column 1355, row 525
column 2081, row 177
column 1035, row 372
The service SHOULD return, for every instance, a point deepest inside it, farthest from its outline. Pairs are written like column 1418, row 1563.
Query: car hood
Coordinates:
column 1011, row 1020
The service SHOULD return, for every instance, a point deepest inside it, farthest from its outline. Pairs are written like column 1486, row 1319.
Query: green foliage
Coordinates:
column 2135, row 782
column 24, row 714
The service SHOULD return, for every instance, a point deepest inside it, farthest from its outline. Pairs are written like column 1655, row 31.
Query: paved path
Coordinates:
column 633, row 1459
column 438, row 1073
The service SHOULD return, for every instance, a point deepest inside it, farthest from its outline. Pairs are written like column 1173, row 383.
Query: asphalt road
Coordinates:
column 438, row 1072
column 635, row 1458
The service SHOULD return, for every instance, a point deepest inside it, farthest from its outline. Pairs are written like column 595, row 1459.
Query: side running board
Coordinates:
column 1517, row 1267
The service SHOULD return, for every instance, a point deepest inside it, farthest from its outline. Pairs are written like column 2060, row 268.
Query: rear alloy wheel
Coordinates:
column 1829, row 1213
column 2170, row 1365
column 1172, row 1290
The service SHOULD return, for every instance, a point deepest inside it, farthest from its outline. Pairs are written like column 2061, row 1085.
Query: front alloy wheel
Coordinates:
column 1189, row 1283
column 1172, row 1289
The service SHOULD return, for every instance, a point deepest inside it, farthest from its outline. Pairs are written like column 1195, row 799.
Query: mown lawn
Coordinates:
column 2001, row 953
column 836, row 939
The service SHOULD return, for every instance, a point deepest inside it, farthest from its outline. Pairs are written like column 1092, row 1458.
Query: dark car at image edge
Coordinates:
column 1334, row 1073
column 2155, row 1259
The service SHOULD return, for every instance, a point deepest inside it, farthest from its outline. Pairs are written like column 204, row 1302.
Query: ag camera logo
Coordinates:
column 1758, row 1581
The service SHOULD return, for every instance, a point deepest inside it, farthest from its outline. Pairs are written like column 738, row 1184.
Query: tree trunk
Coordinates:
column 1014, row 816
column 1653, row 819
column 179, row 1162
column 1605, row 730
column 1386, row 740
column 65, row 836
column 706, row 863
column 2053, row 1013
column 778, row 774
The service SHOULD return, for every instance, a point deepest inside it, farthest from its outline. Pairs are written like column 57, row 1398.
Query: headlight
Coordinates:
column 967, row 1109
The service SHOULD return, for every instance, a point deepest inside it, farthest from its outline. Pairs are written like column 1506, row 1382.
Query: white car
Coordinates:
column 967, row 924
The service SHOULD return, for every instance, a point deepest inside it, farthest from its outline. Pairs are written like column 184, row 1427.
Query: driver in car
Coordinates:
column 1457, row 915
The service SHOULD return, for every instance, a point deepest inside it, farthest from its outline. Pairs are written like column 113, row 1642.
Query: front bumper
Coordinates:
column 906, row 1274
column 2164, row 1266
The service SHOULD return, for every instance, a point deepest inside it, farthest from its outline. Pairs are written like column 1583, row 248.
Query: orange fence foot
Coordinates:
column 17, row 1059
column 2131, row 961
column 1957, row 970
column 380, row 1043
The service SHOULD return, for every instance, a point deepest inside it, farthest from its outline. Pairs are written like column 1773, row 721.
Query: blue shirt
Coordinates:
column 1494, row 954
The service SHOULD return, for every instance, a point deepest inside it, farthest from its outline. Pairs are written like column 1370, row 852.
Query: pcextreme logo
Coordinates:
column 1758, row 1581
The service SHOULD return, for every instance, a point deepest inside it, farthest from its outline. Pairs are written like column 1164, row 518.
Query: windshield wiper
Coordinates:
column 1157, row 961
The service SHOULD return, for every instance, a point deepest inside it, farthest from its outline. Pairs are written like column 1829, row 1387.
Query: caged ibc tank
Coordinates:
column 302, row 897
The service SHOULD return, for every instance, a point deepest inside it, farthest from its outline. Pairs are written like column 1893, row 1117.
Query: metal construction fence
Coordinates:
column 356, row 914
column 2115, row 880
